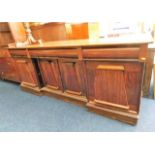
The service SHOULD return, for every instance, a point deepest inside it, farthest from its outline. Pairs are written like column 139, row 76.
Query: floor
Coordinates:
column 21, row 111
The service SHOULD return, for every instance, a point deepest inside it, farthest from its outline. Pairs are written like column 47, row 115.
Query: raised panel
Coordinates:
column 110, row 53
column 109, row 86
column 27, row 72
column 116, row 85
column 18, row 53
column 50, row 73
column 54, row 53
column 71, row 76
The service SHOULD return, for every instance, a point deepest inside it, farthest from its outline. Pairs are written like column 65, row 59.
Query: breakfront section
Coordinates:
column 27, row 70
column 61, row 72
column 114, row 85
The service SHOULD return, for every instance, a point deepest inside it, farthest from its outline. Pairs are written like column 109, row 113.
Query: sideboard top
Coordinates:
column 123, row 40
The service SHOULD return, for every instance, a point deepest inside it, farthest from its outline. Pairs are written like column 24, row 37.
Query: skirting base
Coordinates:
column 32, row 90
column 127, row 117
column 80, row 100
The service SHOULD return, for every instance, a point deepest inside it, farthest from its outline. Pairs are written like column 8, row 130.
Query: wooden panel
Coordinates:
column 8, row 69
column 111, row 53
column 71, row 76
column 110, row 77
column 27, row 72
column 50, row 73
column 115, row 86
column 18, row 52
column 110, row 85
column 57, row 53
column 4, row 53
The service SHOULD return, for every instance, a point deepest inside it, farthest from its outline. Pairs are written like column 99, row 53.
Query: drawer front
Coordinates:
column 18, row 53
column 54, row 53
column 120, row 53
column 4, row 53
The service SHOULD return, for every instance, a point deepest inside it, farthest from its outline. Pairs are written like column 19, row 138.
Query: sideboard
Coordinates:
column 103, row 75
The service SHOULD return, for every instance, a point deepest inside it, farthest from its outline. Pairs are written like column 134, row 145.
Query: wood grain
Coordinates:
column 50, row 73
column 106, row 75
column 8, row 66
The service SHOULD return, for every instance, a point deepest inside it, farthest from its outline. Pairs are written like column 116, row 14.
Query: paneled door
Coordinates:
column 71, row 73
column 114, row 85
column 27, row 72
column 50, row 73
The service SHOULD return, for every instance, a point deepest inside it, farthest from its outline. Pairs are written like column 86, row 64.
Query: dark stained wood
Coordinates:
column 18, row 53
column 65, row 97
column 71, row 76
column 111, row 81
column 106, row 77
column 54, row 53
column 10, row 72
column 115, row 88
column 126, row 117
column 128, row 53
column 7, row 66
column 50, row 73
column 27, row 73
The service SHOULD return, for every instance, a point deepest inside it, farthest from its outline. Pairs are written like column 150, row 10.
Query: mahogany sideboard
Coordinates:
column 104, row 75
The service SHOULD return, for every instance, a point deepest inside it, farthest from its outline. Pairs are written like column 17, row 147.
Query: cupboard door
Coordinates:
column 50, row 73
column 11, row 72
column 27, row 72
column 110, row 86
column 8, row 69
column 115, row 85
column 71, row 76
